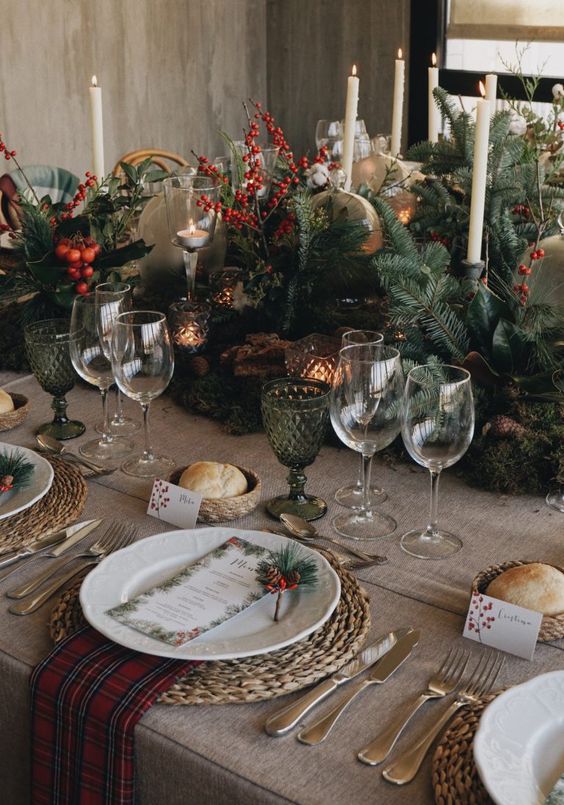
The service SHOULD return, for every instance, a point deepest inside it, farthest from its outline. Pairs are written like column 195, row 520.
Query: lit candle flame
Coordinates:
column 434, row 59
column 191, row 227
column 482, row 89
column 94, row 81
column 400, row 53
column 354, row 70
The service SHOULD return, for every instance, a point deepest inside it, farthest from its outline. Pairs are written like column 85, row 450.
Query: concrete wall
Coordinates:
column 312, row 45
column 173, row 73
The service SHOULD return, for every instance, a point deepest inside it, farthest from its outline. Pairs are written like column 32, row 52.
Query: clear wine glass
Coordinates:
column 90, row 359
column 143, row 363
column 437, row 428
column 120, row 424
column 350, row 496
column 330, row 134
column 365, row 412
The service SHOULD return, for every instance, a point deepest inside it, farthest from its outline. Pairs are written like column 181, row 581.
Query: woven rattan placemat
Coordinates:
column 254, row 679
column 60, row 507
column 455, row 778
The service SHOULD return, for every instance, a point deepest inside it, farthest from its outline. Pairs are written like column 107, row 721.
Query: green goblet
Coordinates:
column 295, row 413
column 47, row 347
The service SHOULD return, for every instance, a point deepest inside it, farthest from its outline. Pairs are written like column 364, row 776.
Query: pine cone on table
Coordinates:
column 200, row 366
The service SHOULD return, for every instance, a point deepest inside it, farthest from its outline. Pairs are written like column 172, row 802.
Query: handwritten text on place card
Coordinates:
column 503, row 626
column 174, row 504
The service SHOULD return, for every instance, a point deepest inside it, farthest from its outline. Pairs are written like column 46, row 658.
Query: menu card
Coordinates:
column 198, row 598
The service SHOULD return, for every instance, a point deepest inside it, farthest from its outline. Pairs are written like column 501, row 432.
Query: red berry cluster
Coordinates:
column 522, row 288
column 79, row 197
column 207, row 204
column 78, row 253
column 438, row 238
column 561, row 125
column 285, row 227
column 5, row 150
column 522, row 210
column 208, row 169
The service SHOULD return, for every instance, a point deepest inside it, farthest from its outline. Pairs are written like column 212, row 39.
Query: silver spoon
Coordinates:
column 303, row 530
column 55, row 446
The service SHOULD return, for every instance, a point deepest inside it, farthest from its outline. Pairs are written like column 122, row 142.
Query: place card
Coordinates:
column 174, row 504
column 200, row 597
column 504, row 626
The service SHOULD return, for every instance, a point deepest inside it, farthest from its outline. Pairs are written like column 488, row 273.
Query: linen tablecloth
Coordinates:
column 219, row 754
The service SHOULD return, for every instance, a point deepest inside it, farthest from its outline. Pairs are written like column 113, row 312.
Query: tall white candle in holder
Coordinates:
column 479, row 178
column 397, row 110
column 434, row 116
column 491, row 89
column 97, row 129
column 350, row 125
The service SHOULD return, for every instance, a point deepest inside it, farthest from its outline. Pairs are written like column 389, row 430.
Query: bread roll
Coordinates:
column 535, row 586
column 214, row 480
column 6, row 402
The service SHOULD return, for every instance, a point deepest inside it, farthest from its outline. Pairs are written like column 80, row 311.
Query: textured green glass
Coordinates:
column 295, row 414
column 47, row 348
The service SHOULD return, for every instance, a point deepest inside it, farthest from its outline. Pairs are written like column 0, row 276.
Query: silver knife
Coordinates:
column 288, row 716
column 36, row 546
column 73, row 534
column 383, row 669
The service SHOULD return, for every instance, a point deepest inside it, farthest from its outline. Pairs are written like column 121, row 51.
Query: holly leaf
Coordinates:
column 130, row 171
column 483, row 315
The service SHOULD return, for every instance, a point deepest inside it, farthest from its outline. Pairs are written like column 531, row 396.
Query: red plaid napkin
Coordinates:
column 87, row 697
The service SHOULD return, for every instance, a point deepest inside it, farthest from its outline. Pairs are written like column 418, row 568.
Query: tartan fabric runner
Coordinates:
column 87, row 696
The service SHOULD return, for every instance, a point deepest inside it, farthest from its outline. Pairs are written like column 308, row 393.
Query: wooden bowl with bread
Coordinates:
column 228, row 491
column 13, row 409
column 533, row 585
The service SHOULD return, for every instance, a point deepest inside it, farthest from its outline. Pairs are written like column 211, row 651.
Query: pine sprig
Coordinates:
column 286, row 569
column 15, row 470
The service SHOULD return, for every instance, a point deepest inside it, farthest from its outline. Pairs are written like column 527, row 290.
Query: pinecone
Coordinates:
column 200, row 366
column 293, row 579
column 271, row 577
column 503, row 427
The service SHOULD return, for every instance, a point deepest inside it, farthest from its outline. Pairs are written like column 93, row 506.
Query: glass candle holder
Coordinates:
column 223, row 284
column 315, row 356
column 189, row 325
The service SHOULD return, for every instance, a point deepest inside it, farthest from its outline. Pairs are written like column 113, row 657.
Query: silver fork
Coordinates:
column 114, row 531
column 120, row 539
column 444, row 681
column 481, row 681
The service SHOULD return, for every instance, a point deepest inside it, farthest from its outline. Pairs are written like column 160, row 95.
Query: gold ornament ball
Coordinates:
column 356, row 208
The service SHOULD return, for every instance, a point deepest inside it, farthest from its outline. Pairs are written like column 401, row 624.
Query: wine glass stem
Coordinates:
column 360, row 478
column 433, row 524
column 119, row 406
column 106, row 433
column 296, row 481
column 366, row 473
column 148, row 454
column 59, row 406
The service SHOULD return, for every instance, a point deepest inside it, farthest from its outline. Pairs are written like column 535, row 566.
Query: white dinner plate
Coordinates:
column 17, row 500
column 149, row 562
column 519, row 745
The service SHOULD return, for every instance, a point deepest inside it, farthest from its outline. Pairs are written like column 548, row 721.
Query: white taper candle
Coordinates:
column 97, row 129
column 434, row 116
column 479, row 178
column 350, row 125
column 397, row 110
column 491, row 89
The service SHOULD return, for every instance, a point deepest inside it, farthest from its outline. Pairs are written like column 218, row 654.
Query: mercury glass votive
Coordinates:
column 189, row 325
column 315, row 356
column 223, row 284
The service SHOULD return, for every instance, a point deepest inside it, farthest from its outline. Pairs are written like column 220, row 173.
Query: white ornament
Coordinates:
column 558, row 91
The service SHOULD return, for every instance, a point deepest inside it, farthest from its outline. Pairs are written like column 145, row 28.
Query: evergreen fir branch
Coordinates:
column 401, row 240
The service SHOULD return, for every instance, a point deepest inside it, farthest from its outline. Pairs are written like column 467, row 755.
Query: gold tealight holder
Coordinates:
column 189, row 325
column 223, row 284
column 315, row 356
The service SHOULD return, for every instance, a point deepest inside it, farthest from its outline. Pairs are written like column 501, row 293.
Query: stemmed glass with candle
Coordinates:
column 437, row 428
column 351, row 495
column 90, row 355
column 107, row 293
column 143, row 363
column 365, row 405
column 191, row 207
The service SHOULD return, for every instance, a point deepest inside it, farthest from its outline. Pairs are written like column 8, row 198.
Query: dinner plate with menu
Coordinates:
column 519, row 745
column 18, row 500
column 154, row 560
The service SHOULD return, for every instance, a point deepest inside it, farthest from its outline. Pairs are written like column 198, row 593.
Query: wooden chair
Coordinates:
column 159, row 158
